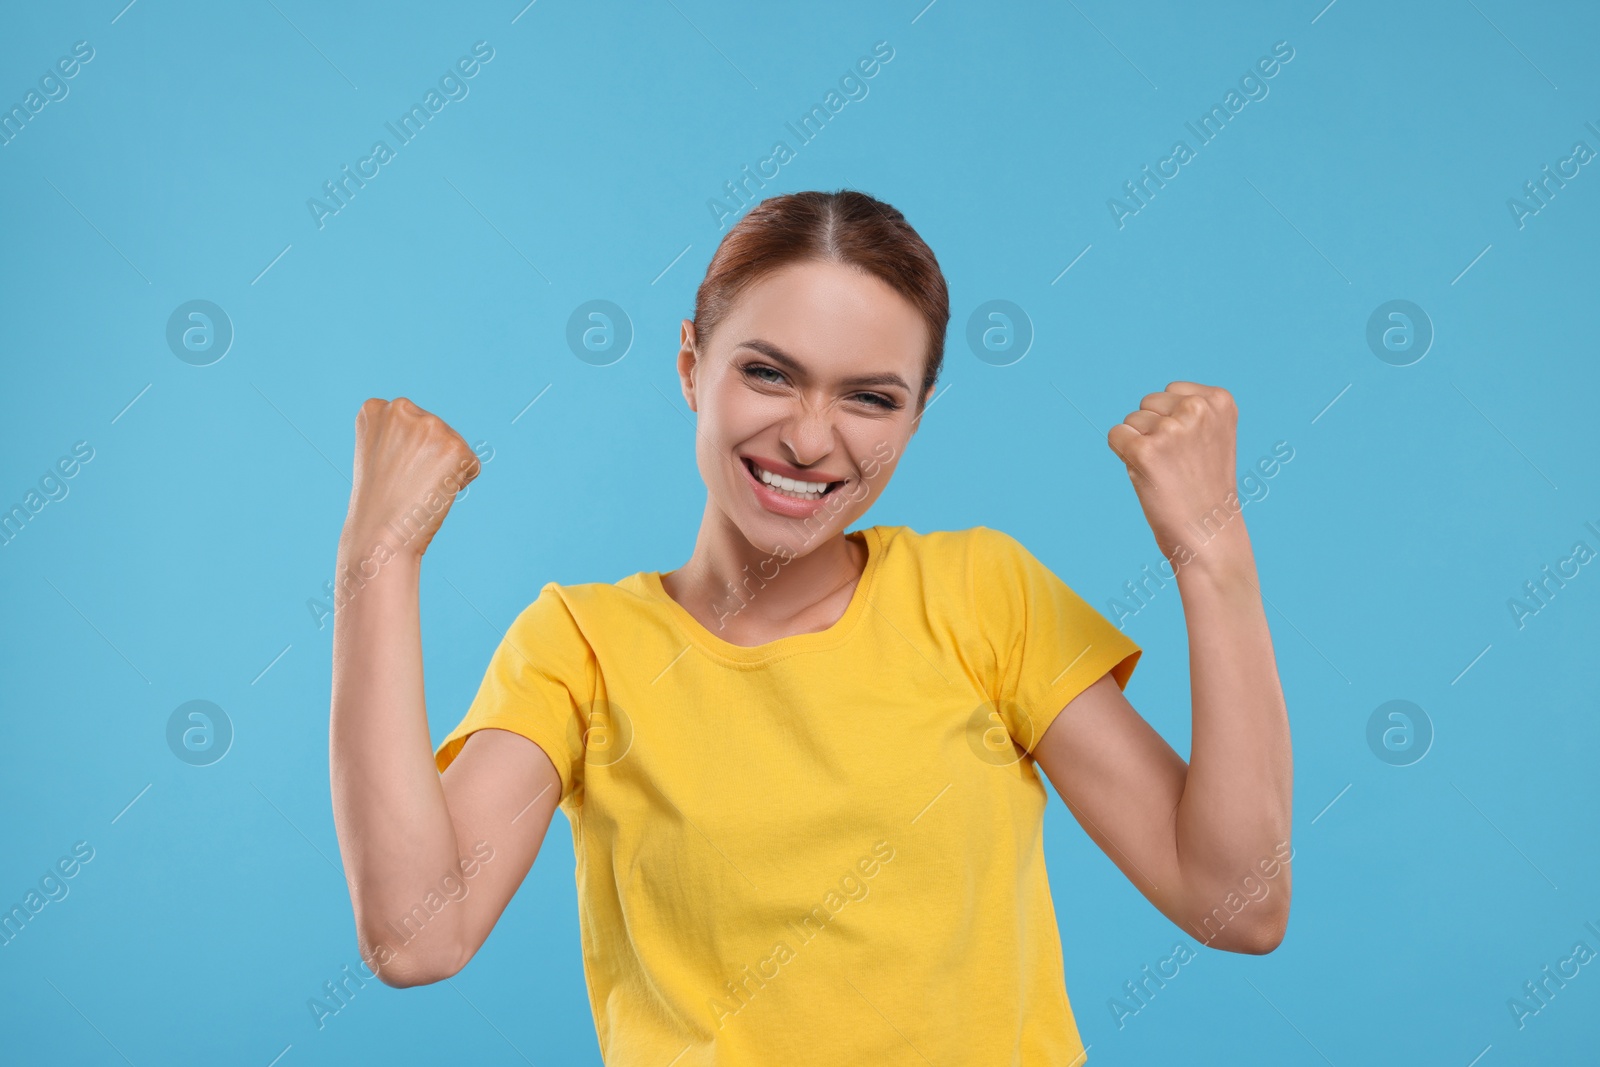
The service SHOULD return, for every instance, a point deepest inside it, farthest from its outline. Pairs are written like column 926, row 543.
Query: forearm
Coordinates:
column 394, row 827
column 1235, row 810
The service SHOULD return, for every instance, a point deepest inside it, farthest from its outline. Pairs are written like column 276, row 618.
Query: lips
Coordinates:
column 780, row 503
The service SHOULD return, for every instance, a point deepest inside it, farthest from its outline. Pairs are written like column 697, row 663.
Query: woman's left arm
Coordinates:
column 1206, row 842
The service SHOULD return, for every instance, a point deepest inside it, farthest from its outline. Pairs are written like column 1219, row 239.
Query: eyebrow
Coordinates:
column 778, row 355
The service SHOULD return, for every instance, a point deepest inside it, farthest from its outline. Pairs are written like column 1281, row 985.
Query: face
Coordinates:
column 813, row 376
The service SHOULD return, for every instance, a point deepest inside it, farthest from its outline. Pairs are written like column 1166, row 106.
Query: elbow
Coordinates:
column 402, row 970
column 1261, row 935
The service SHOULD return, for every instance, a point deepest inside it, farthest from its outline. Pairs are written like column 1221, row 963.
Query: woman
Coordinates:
column 800, row 769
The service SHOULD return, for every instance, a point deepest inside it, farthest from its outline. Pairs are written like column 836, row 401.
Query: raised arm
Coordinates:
column 1207, row 842
column 430, row 860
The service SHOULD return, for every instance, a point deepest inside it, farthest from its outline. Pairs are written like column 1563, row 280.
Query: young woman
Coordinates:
column 800, row 769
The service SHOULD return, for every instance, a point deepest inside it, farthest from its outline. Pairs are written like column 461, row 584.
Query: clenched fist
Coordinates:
column 1179, row 449
column 409, row 465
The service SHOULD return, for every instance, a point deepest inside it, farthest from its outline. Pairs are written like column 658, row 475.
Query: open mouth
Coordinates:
column 789, row 487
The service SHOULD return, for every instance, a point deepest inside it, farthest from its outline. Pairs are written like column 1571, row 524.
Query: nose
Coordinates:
column 807, row 433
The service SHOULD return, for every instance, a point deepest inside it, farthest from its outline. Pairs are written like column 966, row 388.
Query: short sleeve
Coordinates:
column 1046, row 643
column 539, row 677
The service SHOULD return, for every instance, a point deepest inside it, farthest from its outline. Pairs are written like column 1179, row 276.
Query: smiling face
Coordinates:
column 812, row 376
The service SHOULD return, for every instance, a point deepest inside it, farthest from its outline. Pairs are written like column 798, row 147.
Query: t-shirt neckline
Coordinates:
column 814, row 641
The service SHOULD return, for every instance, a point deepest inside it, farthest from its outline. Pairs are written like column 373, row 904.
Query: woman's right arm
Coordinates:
column 406, row 831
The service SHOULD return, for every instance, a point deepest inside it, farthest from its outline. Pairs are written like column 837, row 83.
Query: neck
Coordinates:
column 734, row 586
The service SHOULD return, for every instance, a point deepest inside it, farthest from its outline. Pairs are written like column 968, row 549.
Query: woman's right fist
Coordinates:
column 409, row 465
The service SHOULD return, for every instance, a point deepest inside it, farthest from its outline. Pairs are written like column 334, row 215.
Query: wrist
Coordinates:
column 1225, row 559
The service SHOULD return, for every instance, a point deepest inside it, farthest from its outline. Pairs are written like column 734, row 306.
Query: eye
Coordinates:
column 878, row 400
column 754, row 370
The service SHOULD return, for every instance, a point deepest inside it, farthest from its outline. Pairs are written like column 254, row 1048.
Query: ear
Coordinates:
column 916, row 424
column 687, row 361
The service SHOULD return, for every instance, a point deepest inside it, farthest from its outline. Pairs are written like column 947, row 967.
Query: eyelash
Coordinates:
column 878, row 401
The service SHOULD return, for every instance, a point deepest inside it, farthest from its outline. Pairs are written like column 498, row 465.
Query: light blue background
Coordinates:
column 579, row 167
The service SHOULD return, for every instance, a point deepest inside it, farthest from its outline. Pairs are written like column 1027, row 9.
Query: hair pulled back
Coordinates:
column 846, row 227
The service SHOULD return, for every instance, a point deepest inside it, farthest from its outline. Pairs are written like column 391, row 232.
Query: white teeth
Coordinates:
column 778, row 481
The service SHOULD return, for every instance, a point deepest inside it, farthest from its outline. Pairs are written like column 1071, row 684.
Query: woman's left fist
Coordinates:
column 1179, row 450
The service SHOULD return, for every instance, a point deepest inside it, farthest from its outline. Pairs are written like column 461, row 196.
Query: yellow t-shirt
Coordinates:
column 826, row 849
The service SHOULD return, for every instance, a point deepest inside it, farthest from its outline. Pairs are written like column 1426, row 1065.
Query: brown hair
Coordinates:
column 844, row 227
